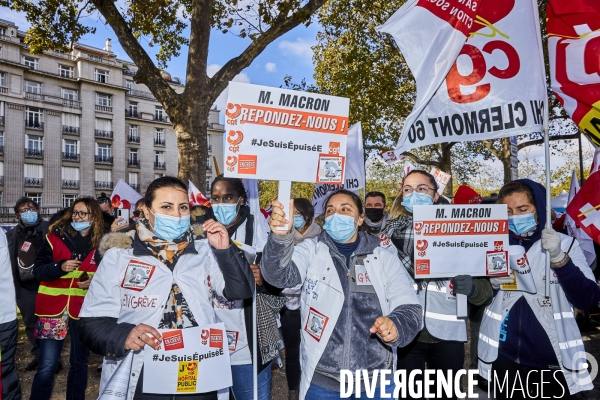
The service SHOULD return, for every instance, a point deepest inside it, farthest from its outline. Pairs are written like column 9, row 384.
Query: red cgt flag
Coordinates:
column 585, row 207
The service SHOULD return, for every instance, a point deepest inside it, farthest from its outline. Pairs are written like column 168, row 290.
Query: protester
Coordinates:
column 376, row 214
column 9, row 326
column 139, row 211
column 304, row 228
column 23, row 242
column 182, row 268
column 524, row 334
column 111, row 222
column 440, row 342
column 350, row 322
column 230, row 208
column 65, row 267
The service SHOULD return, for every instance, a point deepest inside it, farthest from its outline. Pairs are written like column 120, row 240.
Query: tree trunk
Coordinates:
column 192, row 144
column 446, row 166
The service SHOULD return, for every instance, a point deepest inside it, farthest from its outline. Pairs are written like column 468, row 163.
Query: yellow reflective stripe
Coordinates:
column 76, row 274
column 60, row 291
column 49, row 241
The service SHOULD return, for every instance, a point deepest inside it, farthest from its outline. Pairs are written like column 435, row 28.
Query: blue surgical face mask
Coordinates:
column 80, row 226
column 225, row 213
column 167, row 227
column 416, row 199
column 340, row 227
column 521, row 224
column 299, row 221
column 29, row 217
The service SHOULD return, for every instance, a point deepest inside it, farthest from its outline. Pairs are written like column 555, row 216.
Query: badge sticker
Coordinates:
column 137, row 275
column 497, row 263
column 316, row 323
column 232, row 339
column 362, row 278
column 422, row 267
column 26, row 246
column 330, row 169
column 450, row 294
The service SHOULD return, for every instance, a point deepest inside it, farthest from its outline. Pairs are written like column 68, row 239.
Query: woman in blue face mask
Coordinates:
column 65, row 267
column 160, row 279
column 357, row 306
column 440, row 343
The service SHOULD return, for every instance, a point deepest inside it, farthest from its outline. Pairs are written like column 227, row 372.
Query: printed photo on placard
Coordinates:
column 330, row 169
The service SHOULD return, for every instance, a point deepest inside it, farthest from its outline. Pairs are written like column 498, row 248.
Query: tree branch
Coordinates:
column 421, row 161
column 280, row 26
column 552, row 138
column 147, row 73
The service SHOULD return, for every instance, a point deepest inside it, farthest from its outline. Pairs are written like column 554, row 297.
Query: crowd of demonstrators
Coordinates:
column 352, row 322
column 440, row 341
column 182, row 270
column 376, row 214
column 65, row 267
column 229, row 204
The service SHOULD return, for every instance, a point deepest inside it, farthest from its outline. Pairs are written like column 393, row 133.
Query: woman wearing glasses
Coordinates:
column 65, row 267
column 440, row 342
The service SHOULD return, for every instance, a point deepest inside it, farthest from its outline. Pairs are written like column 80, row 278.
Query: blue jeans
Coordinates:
column 318, row 393
column 242, row 382
column 50, row 350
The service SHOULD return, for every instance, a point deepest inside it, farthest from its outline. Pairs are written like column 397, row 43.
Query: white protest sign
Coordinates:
column 441, row 178
column 285, row 135
column 355, row 170
column 455, row 240
column 192, row 360
column 520, row 271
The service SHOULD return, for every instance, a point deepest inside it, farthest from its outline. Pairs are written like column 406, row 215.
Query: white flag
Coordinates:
column 430, row 35
column 196, row 197
column 481, row 95
column 585, row 242
column 354, row 177
column 124, row 196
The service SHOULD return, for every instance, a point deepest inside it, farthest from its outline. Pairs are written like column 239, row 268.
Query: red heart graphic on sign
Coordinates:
column 492, row 12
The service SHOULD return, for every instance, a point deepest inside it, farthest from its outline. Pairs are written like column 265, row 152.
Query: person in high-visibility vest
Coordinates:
column 65, row 267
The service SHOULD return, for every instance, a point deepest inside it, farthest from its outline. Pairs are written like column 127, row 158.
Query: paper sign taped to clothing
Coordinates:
column 192, row 360
column 455, row 240
column 270, row 132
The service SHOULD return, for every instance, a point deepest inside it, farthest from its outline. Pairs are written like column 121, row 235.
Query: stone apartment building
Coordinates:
column 73, row 124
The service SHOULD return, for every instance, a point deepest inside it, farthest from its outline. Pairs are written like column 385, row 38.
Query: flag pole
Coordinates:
column 254, row 349
column 548, row 208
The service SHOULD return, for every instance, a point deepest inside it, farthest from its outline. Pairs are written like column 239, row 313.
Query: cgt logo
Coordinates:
column 235, row 137
column 498, row 245
column 247, row 164
column 522, row 262
column 421, row 247
column 231, row 162
column 233, row 110
column 334, row 148
column 173, row 340
column 418, row 228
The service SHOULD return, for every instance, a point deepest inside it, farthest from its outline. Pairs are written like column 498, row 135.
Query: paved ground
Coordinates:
column 590, row 334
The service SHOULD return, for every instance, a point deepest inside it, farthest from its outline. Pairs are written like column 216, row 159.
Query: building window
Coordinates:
column 133, row 180
column 159, row 159
column 30, row 62
column 159, row 113
column 34, row 117
column 129, row 85
column 2, row 171
column 159, row 137
column 103, row 128
column 68, row 199
column 70, row 123
column 133, row 158
column 133, row 134
column 103, row 179
column 104, row 150
column 133, row 109
column 1, row 199
column 1, row 142
column 34, row 143
column 37, row 197
column 156, row 176
column 70, row 178
column 101, row 75
column 69, row 94
column 70, row 150
column 2, row 79
column 65, row 71
column 32, row 87
column 208, row 186
column 33, row 174
column 103, row 99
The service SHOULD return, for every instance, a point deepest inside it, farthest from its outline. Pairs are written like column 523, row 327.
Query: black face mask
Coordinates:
column 374, row 214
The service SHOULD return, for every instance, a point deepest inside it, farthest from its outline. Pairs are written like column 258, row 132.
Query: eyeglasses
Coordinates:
column 81, row 214
column 406, row 190
column 24, row 210
column 137, row 213
column 103, row 200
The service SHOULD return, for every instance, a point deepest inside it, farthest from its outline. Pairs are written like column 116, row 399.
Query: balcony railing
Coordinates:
column 208, row 168
column 33, row 124
column 33, row 182
column 34, row 96
column 100, row 59
column 3, row 90
column 103, row 134
column 1, row 150
column 53, row 99
column 69, row 184
column 134, row 163
column 34, row 153
column 133, row 139
column 71, row 130
column 130, row 72
column 159, row 142
column 70, row 156
column 1, row 119
column 161, row 118
column 104, row 159
column 106, row 109
column 135, row 186
column 103, row 185
column 159, row 165
column 132, row 114
column 141, row 93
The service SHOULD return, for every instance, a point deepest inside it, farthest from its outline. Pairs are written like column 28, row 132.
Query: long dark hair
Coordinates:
column 305, row 208
column 97, row 221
